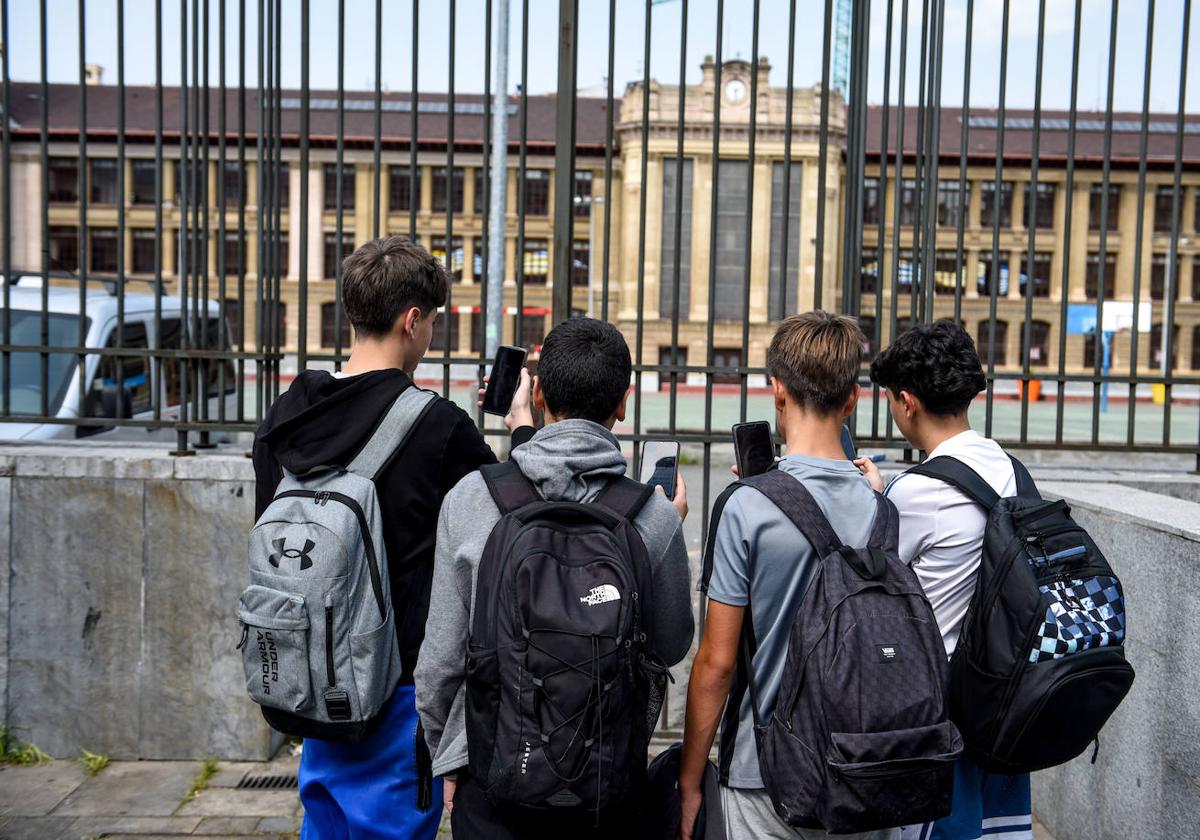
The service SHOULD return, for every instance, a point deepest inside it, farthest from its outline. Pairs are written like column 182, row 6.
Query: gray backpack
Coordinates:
column 318, row 638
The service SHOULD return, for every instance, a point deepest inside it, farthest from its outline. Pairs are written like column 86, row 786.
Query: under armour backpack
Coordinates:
column 1040, row 664
column 559, row 663
column 318, row 641
column 858, row 738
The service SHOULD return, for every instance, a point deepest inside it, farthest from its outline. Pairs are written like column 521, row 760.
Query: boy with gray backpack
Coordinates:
column 351, row 470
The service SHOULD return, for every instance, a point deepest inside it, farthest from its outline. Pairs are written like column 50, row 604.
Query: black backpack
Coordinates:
column 559, row 677
column 858, row 739
column 1040, row 665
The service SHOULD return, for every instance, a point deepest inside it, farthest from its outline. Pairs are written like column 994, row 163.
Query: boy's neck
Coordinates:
column 369, row 355
column 813, row 435
column 937, row 430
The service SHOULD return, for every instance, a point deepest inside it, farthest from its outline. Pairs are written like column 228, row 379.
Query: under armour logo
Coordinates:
column 282, row 551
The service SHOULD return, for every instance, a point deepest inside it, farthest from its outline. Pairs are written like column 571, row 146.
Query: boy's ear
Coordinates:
column 779, row 392
column 619, row 414
column 408, row 321
column 536, row 394
column 912, row 403
column 852, row 403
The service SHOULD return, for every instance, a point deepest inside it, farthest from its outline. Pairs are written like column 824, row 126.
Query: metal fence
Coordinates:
column 902, row 179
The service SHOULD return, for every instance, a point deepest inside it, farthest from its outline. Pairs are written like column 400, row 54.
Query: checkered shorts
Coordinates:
column 1080, row 614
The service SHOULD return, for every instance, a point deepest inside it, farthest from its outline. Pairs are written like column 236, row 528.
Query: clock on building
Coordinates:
column 735, row 91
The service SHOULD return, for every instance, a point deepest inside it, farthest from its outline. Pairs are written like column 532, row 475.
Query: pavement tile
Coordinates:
column 227, row 802
column 228, row 825
column 230, row 773
column 280, row 825
column 132, row 789
column 34, row 828
column 104, row 826
column 34, row 791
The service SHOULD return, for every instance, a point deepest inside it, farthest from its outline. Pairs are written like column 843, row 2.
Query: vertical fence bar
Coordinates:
column 856, row 154
column 222, row 198
column 200, row 301
column 449, row 232
column 159, row 390
column 120, row 360
column 678, row 218
column 822, row 160
column 6, row 371
column 898, row 189
column 242, row 256
column 182, row 259
column 340, row 154
column 785, row 305
column 277, row 203
column 1031, row 224
column 743, row 375
column 640, row 330
column 414, row 192
column 933, row 154
column 1101, row 269
column 83, row 180
column 302, row 338
column 1167, row 331
column 519, row 321
column 1138, row 242
column 485, row 181
column 44, row 151
column 261, row 186
column 377, row 172
column 1065, row 291
column 997, row 198
column 881, row 201
column 964, row 197
column 564, row 158
column 920, row 285
column 608, row 157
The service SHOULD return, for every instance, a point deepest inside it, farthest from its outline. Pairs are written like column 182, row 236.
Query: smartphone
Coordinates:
column 660, row 465
column 848, row 444
column 753, row 447
column 504, row 379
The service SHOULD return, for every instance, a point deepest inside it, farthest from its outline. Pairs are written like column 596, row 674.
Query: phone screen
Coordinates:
column 754, row 448
column 504, row 379
column 660, row 462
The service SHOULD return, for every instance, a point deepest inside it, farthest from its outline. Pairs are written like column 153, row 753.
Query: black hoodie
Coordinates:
column 325, row 420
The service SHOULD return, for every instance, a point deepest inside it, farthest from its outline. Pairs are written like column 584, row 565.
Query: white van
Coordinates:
column 143, row 387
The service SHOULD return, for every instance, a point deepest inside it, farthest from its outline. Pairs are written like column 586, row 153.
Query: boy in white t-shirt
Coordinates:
column 931, row 374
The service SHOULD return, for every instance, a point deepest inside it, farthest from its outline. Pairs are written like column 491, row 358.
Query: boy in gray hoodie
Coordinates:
column 582, row 386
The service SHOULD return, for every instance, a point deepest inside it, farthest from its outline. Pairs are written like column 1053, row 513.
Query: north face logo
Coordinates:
column 282, row 551
column 601, row 595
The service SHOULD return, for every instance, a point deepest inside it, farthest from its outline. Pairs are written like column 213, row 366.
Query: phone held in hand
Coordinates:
column 848, row 444
column 753, row 448
column 660, row 465
column 504, row 380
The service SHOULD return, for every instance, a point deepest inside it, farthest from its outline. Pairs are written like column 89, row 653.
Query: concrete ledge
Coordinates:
column 1123, row 503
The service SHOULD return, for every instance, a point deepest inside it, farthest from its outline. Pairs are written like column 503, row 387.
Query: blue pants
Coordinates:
column 368, row 791
column 988, row 805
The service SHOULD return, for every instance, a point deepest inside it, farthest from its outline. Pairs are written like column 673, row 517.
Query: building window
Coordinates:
column 1041, row 275
column 64, row 180
column 1156, row 346
column 285, row 256
column 781, row 297
column 103, row 248
column 867, row 323
column 908, row 201
column 672, row 357
column 945, row 272
column 1196, row 347
column 233, row 182
column 950, row 204
column 533, row 331
column 581, row 258
column 267, row 323
column 1096, row 205
column 104, row 181
column 871, row 201
column 331, row 187
column 481, row 190
column 1045, row 205
column 144, row 177
column 478, row 332
column 333, row 259
column 1092, row 277
column 454, row 183
column 1000, row 343
column 730, row 358
column 1158, row 277
column 477, row 245
column 235, row 254
column 329, row 324
column 986, row 276
column 400, row 188
column 144, row 242
column 868, row 271
column 1039, row 344
column 989, row 206
column 536, row 263
column 1164, row 208
column 1089, row 350
column 670, row 198
column 455, row 264
column 285, row 186
column 729, row 250
column 439, row 342
column 233, row 321
column 537, row 192
column 906, row 271
column 583, row 194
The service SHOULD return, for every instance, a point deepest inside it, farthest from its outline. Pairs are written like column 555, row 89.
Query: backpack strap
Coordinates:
column 886, row 530
column 392, row 432
column 625, row 497
column 791, row 496
column 509, row 487
column 957, row 474
column 1026, row 489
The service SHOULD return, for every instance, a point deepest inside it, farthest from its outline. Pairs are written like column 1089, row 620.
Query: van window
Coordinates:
column 25, row 367
column 135, row 369
column 210, row 339
column 168, row 339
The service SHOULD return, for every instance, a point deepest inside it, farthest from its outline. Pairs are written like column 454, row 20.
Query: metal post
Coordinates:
column 564, row 161
column 499, row 192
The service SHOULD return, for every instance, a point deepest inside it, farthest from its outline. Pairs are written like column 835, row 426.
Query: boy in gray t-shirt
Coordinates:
column 761, row 559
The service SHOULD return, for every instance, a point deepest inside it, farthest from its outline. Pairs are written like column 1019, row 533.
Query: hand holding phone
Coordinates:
column 503, row 380
column 753, row 448
column 660, row 465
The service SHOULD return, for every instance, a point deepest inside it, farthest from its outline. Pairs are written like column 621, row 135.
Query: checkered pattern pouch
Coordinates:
column 1080, row 615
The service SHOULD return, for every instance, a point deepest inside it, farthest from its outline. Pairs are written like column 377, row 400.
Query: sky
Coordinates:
column 433, row 45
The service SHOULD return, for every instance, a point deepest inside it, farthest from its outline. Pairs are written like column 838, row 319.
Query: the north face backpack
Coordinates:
column 858, row 738
column 318, row 639
column 1040, row 665
column 559, row 670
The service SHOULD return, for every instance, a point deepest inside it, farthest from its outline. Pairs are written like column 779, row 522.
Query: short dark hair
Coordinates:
column 584, row 369
column 817, row 356
column 936, row 363
column 386, row 277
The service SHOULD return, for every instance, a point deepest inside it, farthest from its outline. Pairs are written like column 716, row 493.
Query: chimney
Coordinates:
column 764, row 74
column 93, row 74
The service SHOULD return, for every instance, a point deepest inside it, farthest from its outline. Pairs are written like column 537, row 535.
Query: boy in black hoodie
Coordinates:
column 391, row 289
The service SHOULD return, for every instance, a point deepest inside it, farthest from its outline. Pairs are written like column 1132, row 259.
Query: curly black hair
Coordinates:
column 935, row 362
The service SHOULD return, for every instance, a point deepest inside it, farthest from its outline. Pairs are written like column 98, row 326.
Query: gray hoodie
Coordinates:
column 572, row 460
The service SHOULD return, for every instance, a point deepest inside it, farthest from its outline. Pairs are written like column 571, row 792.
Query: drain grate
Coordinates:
column 253, row 781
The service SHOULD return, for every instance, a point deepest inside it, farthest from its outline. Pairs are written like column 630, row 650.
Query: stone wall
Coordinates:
column 120, row 569
column 1146, row 780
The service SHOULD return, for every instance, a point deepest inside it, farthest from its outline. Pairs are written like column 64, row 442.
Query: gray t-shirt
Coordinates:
column 754, row 534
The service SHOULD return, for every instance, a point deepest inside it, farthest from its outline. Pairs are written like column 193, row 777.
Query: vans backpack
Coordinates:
column 318, row 642
column 1040, row 665
column 858, row 739
column 559, row 672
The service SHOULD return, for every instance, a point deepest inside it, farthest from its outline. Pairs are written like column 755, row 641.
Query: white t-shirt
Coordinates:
column 941, row 530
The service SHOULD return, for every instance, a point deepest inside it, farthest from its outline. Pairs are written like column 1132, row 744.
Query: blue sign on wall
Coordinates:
column 1081, row 319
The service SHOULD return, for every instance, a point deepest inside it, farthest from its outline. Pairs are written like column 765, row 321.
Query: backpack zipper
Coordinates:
column 324, row 496
column 329, row 672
